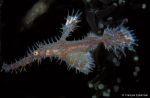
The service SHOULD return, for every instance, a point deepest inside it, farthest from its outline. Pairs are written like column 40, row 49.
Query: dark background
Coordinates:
column 50, row 78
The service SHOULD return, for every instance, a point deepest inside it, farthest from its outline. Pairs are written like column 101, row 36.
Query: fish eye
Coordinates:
column 35, row 53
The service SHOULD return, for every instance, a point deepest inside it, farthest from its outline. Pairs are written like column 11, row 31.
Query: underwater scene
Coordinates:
column 74, row 48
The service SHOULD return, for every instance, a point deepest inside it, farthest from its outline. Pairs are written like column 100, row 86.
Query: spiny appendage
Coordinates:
column 119, row 38
column 71, row 23
column 32, row 56
column 6, row 67
column 81, row 61
column 17, row 65
column 20, row 65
